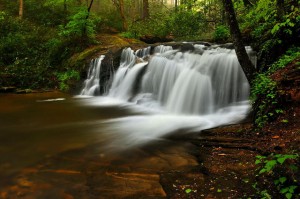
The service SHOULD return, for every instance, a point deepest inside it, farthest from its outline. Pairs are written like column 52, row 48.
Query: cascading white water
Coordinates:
column 123, row 82
column 183, row 83
column 142, row 53
column 187, row 83
column 91, row 85
column 124, row 90
column 162, row 49
column 196, row 90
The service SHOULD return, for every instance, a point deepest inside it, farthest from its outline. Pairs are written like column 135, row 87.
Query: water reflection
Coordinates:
column 38, row 126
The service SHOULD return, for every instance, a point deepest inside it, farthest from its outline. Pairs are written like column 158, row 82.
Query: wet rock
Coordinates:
column 227, row 45
column 8, row 89
column 187, row 47
column 24, row 91
column 155, row 39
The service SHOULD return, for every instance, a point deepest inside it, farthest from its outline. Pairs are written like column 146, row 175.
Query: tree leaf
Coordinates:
column 288, row 195
column 188, row 191
column 282, row 180
column 262, row 171
column 270, row 165
column 257, row 161
column 284, row 190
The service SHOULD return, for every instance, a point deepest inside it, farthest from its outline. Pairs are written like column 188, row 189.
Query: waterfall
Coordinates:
column 191, row 90
column 124, row 90
column 142, row 53
column 91, row 85
column 190, row 83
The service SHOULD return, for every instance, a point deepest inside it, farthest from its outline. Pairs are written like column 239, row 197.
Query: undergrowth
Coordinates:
column 277, row 176
column 64, row 79
column 264, row 92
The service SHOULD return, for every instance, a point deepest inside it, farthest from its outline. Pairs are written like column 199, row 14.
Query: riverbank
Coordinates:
column 227, row 155
column 218, row 164
column 214, row 163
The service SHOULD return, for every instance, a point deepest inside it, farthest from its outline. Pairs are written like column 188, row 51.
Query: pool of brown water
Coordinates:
column 51, row 146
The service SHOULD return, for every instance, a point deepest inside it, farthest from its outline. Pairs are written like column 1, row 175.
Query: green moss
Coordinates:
column 77, row 61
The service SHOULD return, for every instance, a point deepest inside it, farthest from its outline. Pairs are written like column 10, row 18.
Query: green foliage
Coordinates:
column 186, row 23
column 272, row 31
column 281, row 169
column 288, row 22
column 45, row 13
column 156, row 25
column 264, row 94
column 65, row 78
column 264, row 89
column 23, row 54
column 291, row 54
column 221, row 34
column 182, row 24
column 80, row 25
column 111, row 20
column 188, row 191
column 25, row 76
column 30, row 52
column 128, row 34
column 261, row 17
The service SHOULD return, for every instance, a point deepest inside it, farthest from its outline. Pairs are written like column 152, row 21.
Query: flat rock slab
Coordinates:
column 90, row 173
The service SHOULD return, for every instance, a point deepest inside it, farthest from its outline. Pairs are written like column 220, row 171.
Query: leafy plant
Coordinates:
column 281, row 168
column 156, row 25
column 186, row 23
column 264, row 88
column 65, row 78
column 188, row 191
column 79, row 25
column 291, row 54
column 129, row 34
column 221, row 33
column 288, row 22
column 273, row 33
column 264, row 94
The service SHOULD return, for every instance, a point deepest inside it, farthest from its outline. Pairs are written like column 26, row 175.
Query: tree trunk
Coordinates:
column 21, row 8
column 87, row 17
column 122, row 13
column 145, row 9
column 89, row 8
column 236, row 35
column 120, row 6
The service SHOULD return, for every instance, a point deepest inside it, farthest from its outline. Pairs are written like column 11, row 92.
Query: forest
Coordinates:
column 44, row 43
column 37, row 37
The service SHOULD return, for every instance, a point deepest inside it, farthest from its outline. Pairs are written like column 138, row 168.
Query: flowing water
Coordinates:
column 175, row 90
column 35, row 126
column 149, row 98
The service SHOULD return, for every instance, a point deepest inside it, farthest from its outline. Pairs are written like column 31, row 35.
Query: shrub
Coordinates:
column 156, row 25
column 221, row 33
column 80, row 25
column 278, row 175
column 186, row 23
column 264, row 89
column 65, row 79
column 291, row 54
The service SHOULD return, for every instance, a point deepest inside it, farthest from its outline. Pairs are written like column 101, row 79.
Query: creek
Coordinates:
column 154, row 94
